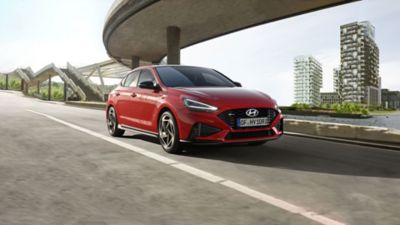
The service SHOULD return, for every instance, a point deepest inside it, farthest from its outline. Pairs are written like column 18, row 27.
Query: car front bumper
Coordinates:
column 211, row 128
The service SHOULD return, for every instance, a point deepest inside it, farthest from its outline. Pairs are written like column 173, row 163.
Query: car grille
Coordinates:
column 252, row 134
column 230, row 116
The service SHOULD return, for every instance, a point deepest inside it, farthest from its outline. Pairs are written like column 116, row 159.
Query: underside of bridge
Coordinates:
column 143, row 32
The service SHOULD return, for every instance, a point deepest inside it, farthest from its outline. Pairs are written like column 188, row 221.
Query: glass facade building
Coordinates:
column 307, row 80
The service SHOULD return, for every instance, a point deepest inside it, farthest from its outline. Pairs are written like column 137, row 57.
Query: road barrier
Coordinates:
column 344, row 131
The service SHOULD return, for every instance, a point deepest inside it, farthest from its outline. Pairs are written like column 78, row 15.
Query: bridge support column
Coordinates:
column 103, row 88
column 6, row 81
column 49, row 94
column 173, row 41
column 26, row 88
column 135, row 62
column 22, row 85
column 65, row 91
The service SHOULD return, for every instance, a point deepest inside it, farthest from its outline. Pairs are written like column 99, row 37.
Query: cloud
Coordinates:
column 390, row 73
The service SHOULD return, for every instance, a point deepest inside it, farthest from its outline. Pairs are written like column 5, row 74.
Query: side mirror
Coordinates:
column 237, row 84
column 149, row 85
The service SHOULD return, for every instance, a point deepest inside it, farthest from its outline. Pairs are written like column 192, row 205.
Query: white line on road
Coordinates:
column 206, row 175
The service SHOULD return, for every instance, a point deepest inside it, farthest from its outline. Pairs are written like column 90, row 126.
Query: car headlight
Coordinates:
column 277, row 108
column 198, row 106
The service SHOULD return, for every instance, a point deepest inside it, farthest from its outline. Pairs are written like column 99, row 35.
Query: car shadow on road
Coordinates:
column 304, row 154
column 143, row 137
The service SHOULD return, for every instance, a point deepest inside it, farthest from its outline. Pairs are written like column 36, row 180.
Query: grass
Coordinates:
column 13, row 83
column 350, row 108
column 346, row 108
column 385, row 112
column 57, row 92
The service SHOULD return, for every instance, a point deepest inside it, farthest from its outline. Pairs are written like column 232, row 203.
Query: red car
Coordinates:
column 186, row 104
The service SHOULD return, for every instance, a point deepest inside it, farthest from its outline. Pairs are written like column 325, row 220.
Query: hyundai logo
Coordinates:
column 252, row 112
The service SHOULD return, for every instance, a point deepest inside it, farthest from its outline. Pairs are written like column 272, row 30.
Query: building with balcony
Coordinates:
column 330, row 98
column 337, row 83
column 307, row 80
column 359, row 64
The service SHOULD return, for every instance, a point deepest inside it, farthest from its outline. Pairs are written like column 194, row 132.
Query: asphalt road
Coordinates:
column 51, row 173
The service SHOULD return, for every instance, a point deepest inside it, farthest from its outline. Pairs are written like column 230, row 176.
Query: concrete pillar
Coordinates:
column 65, row 91
column 22, row 85
column 38, row 87
column 102, row 88
column 27, row 88
column 173, row 41
column 6, row 81
column 101, row 78
column 135, row 62
column 49, row 94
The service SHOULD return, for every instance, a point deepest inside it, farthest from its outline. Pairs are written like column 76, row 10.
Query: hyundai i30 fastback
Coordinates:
column 186, row 104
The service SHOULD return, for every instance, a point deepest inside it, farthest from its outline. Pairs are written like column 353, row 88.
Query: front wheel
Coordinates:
column 168, row 133
column 112, row 123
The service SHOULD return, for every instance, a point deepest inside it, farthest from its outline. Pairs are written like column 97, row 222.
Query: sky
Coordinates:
column 37, row 32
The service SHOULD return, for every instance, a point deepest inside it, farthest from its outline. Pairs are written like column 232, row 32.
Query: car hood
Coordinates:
column 232, row 97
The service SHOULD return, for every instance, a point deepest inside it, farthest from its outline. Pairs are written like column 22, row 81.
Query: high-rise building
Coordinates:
column 338, row 84
column 359, row 64
column 330, row 98
column 337, row 81
column 307, row 80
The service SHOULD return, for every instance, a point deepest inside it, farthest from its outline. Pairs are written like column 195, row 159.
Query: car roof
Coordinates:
column 169, row 65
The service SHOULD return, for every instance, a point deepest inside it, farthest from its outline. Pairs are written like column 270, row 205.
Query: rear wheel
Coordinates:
column 112, row 123
column 168, row 133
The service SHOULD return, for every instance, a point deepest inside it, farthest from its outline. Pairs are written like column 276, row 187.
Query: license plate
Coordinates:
column 252, row 122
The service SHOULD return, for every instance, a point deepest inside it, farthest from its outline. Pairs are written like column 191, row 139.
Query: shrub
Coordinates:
column 300, row 106
column 364, row 111
column 325, row 106
column 57, row 94
column 15, row 84
column 43, row 95
column 350, row 108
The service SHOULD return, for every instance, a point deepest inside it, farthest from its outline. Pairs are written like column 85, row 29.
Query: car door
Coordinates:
column 147, row 101
column 126, row 97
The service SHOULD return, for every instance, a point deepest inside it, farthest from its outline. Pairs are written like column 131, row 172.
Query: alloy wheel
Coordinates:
column 167, row 131
column 111, row 120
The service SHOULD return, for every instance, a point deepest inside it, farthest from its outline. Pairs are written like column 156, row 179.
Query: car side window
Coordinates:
column 131, row 79
column 146, row 75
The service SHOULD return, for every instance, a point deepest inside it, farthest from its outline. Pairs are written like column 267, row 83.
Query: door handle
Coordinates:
column 133, row 95
column 117, row 94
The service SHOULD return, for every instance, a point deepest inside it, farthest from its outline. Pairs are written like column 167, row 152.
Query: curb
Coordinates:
column 91, row 105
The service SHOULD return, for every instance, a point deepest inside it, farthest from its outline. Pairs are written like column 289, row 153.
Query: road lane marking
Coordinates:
column 280, row 203
column 199, row 173
column 205, row 175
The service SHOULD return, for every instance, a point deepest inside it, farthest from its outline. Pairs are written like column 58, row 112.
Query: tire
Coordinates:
column 257, row 143
column 112, row 123
column 168, row 133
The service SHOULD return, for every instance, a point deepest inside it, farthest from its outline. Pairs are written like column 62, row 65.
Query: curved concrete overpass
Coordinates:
column 144, row 31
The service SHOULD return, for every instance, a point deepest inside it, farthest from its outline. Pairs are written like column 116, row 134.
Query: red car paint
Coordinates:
column 139, row 109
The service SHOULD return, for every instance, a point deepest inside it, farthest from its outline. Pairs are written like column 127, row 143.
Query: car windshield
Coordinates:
column 185, row 76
